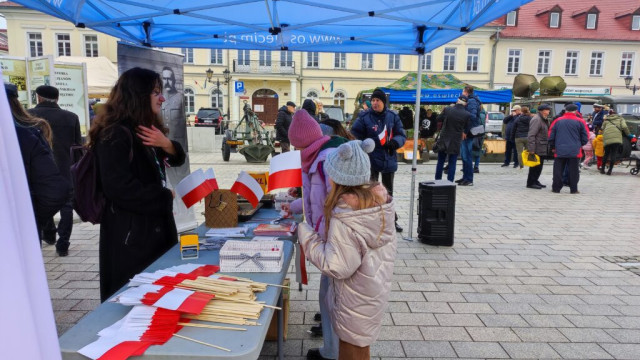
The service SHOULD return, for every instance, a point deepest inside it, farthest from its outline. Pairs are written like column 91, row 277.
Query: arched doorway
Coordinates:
column 265, row 105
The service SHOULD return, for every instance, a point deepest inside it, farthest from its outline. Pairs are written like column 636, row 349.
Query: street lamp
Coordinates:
column 627, row 83
column 209, row 73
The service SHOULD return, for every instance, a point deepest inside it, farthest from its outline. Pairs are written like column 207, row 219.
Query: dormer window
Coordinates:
column 512, row 18
column 554, row 20
column 635, row 22
column 592, row 21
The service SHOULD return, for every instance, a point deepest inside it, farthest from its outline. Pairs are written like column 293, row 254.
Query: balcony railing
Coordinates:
column 264, row 67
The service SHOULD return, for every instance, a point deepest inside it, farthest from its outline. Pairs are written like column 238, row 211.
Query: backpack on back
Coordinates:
column 88, row 198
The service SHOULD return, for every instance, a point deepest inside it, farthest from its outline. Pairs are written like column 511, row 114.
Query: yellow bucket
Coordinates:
column 262, row 178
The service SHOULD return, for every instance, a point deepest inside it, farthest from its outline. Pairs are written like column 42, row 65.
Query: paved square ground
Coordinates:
column 526, row 277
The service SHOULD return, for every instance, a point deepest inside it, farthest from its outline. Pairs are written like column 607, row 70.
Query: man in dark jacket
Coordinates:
column 507, row 131
column 282, row 125
column 65, row 129
column 597, row 117
column 466, row 148
column 455, row 120
column 385, row 128
column 567, row 135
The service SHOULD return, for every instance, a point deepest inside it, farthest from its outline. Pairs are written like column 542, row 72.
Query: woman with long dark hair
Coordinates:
column 132, row 149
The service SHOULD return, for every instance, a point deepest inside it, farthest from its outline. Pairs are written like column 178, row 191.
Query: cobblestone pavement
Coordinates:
column 526, row 278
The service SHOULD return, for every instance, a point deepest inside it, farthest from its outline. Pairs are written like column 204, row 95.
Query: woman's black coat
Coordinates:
column 137, row 226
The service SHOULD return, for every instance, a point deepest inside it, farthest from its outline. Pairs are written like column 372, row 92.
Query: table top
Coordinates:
column 261, row 216
column 243, row 344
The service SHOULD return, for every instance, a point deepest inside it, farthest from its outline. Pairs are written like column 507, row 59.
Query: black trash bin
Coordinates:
column 436, row 212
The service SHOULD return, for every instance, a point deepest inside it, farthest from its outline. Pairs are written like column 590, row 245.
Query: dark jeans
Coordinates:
column 534, row 173
column 451, row 171
column 511, row 150
column 574, row 173
column 467, row 160
column 64, row 227
column 610, row 152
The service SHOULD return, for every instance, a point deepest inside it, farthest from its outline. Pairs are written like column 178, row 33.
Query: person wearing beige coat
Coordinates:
column 358, row 255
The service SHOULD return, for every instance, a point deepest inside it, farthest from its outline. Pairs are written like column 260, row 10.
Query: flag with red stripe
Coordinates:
column 383, row 136
column 193, row 188
column 247, row 187
column 210, row 177
column 285, row 170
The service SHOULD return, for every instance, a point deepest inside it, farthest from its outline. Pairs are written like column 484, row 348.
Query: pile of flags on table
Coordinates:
column 285, row 170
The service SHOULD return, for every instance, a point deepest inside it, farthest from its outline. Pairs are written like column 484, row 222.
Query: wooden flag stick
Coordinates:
column 202, row 342
column 211, row 326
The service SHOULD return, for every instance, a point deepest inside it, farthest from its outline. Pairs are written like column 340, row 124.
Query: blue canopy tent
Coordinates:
column 446, row 96
column 362, row 26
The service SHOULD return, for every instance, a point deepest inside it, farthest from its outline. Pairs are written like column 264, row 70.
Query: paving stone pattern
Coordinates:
column 532, row 274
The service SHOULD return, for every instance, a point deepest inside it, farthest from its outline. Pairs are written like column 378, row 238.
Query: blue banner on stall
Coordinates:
column 446, row 96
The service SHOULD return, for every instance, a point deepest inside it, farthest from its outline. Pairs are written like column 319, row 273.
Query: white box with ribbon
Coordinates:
column 251, row 256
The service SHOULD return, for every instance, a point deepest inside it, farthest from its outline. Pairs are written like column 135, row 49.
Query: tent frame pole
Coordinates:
column 414, row 161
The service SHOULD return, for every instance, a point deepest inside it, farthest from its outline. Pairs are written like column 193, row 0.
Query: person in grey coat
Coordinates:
column 455, row 120
column 537, row 141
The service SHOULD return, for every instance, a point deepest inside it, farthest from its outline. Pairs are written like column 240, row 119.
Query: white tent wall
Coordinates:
column 102, row 74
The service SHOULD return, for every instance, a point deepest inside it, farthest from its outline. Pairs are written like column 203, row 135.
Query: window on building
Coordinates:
column 513, row 61
column 244, row 56
column 189, row 101
column 426, row 62
column 635, row 22
column 265, row 58
column 472, row 59
column 592, row 21
column 394, row 61
column 367, row 61
column 188, row 55
column 35, row 44
column 544, row 60
column 312, row 94
column 91, row 45
column 340, row 60
column 449, row 59
column 216, row 98
column 312, row 59
column 64, row 44
column 571, row 63
column 554, row 20
column 512, row 18
column 595, row 68
column 626, row 64
column 286, row 59
column 216, row 56
column 339, row 99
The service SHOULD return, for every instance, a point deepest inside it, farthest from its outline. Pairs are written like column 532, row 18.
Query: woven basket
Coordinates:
column 251, row 256
column 221, row 209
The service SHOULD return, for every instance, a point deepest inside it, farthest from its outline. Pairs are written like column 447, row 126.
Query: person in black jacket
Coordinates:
column 520, row 131
column 131, row 149
column 65, row 128
column 455, row 119
column 282, row 125
column 48, row 188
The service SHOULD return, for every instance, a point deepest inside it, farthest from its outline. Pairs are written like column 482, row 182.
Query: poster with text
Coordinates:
column 169, row 66
column 71, row 81
column 39, row 72
column 14, row 70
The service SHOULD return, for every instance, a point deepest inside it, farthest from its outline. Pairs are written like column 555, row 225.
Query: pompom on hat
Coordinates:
column 304, row 129
column 349, row 164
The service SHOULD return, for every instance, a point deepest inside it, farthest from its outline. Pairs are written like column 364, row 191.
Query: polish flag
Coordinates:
column 194, row 188
column 285, row 170
column 142, row 327
column 210, row 175
column 247, row 187
column 166, row 297
column 383, row 136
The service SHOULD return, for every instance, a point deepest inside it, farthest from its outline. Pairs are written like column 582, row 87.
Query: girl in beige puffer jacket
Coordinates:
column 360, row 249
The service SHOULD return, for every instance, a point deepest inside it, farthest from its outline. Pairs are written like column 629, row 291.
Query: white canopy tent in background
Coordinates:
column 361, row 26
column 102, row 74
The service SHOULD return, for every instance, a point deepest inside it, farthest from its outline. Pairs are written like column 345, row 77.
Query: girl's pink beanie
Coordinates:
column 304, row 129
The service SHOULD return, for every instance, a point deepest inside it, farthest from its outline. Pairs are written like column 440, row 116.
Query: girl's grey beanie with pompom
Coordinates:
column 349, row 164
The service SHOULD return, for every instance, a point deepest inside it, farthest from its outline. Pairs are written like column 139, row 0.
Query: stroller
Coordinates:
column 635, row 155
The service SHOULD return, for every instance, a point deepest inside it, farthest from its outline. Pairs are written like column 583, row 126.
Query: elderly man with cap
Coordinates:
column 507, row 126
column 537, row 142
column 597, row 117
column 282, row 125
column 567, row 135
column 385, row 128
column 65, row 128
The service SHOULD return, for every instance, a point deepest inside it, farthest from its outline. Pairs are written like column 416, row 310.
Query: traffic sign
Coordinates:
column 239, row 87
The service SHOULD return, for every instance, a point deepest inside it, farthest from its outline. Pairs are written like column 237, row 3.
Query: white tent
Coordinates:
column 102, row 74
